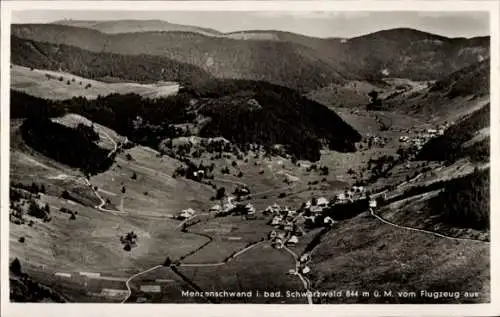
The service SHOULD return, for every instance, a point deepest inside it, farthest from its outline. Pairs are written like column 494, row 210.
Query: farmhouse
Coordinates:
column 250, row 211
column 215, row 208
column 186, row 213
column 276, row 220
column 403, row 138
column 292, row 241
column 278, row 243
column 358, row 189
column 305, row 257
column 328, row 221
column 322, row 202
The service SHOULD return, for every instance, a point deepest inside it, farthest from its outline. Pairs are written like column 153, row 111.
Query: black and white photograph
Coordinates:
column 250, row 156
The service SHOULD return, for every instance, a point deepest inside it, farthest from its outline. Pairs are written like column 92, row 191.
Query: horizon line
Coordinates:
column 236, row 31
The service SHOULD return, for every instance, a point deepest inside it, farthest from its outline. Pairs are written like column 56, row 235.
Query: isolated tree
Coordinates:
column 72, row 217
column 123, row 189
column 134, row 176
column 21, row 239
column 221, row 192
column 15, row 267
column 167, row 262
column 65, row 195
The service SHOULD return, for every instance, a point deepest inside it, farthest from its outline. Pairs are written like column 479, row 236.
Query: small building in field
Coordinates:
column 273, row 234
column 278, row 243
column 215, row 209
column 276, row 221
column 322, row 202
column 250, row 211
column 292, row 241
column 328, row 221
column 372, row 203
column 306, row 270
column 403, row 138
column 305, row 257
column 186, row 213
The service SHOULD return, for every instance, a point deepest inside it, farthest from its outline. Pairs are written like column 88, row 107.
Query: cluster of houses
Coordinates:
column 375, row 140
column 419, row 140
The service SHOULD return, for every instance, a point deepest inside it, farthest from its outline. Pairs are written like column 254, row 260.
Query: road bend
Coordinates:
column 127, row 283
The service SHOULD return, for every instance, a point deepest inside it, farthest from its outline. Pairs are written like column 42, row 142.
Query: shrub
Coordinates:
column 221, row 192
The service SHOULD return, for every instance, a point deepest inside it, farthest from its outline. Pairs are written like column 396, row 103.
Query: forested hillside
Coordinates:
column 243, row 112
column 101, row 65
column 450, row 146
column 287, row 59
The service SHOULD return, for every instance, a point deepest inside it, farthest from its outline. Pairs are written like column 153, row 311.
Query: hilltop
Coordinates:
column 296, row 61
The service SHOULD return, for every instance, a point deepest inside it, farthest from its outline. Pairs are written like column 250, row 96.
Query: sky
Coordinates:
column 312, row 23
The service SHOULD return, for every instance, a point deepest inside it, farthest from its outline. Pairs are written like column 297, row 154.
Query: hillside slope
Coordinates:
column 244, row 112
column 282, row 63
column 100, row 65
column 295, row 61
column 62, row 85
column 448, row 98
column 451, row 146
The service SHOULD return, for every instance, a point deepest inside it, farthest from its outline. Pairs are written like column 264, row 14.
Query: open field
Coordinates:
column 48, row 84
column 261, row 268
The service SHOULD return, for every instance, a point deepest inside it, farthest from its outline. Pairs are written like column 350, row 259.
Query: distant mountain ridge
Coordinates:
column 134, row 26
column 288, row 59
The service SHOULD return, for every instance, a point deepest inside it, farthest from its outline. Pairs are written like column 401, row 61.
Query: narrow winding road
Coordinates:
column 422, row 230
column 127, row 283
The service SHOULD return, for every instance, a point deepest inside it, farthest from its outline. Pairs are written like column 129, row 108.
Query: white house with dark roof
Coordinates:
column 293, row 240
column 322, row 202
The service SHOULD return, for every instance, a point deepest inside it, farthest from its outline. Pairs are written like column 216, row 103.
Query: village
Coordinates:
column 423, row 136
column 288, row 224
